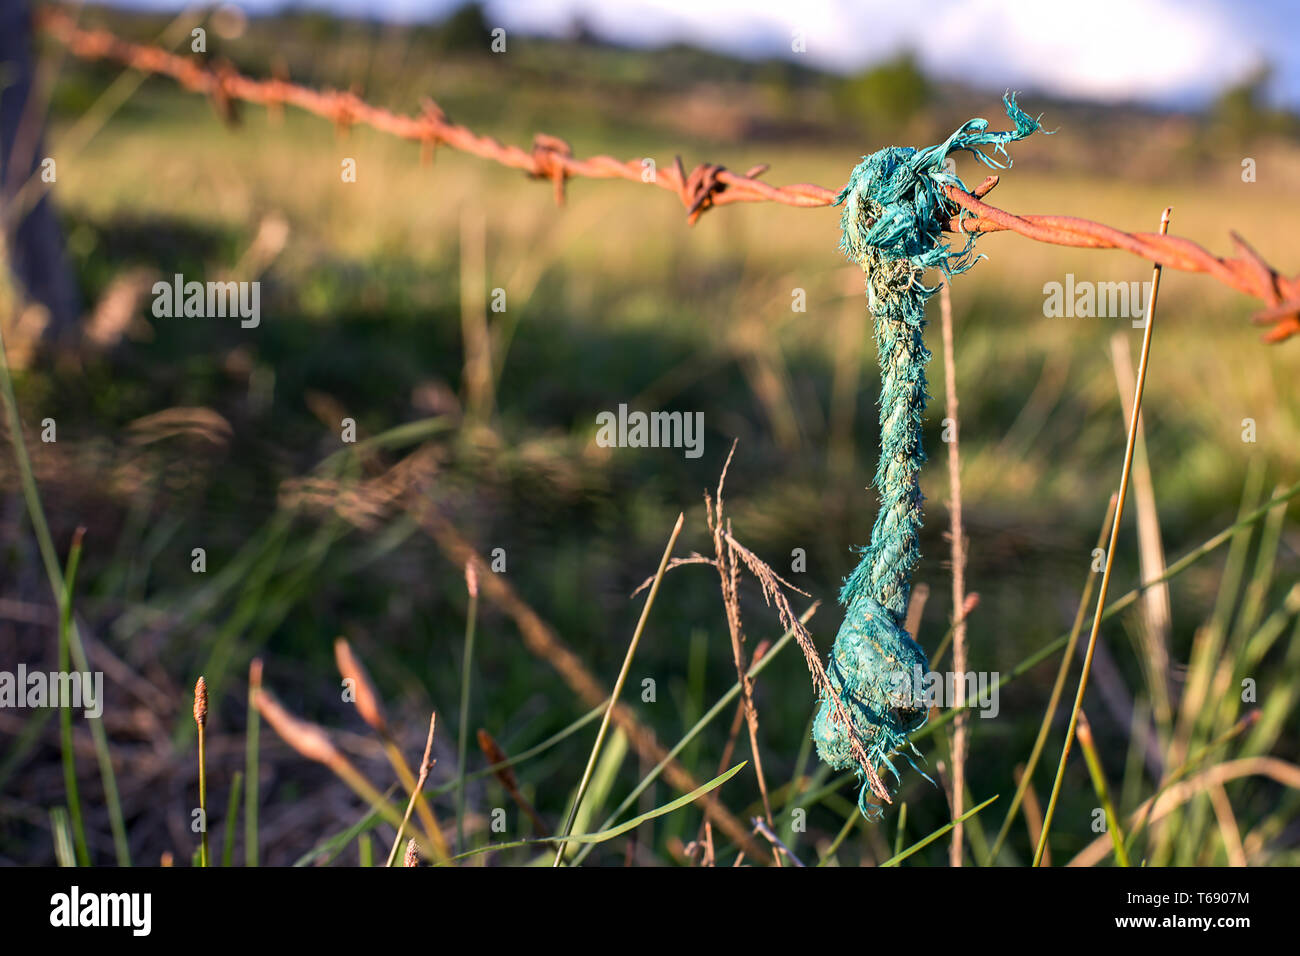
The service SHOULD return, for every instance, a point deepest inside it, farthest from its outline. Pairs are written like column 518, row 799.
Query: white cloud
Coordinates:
column 1099, row 49
column 1170, row 50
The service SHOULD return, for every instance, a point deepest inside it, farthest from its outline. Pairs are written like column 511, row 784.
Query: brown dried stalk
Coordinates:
column 506, row 777
column 311, row 741
column 772, row 585
column 425, row 766
column 957, row 538
column 371, row 707
column 201, row 721
column 366, row 698
column 729, row 576
column 541, row 640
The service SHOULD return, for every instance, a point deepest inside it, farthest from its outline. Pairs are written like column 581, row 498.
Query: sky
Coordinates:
column 1166, row 52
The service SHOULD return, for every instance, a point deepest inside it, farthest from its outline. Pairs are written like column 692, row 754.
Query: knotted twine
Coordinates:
column 892, row 226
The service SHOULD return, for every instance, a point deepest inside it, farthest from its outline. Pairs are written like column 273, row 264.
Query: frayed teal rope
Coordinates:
column 892, row 225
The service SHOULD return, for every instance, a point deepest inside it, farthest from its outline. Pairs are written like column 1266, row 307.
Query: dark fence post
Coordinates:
column 33, row 239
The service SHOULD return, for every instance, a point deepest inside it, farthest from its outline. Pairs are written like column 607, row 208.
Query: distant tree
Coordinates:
column 465, row 31
column 580, row 31
column 888, row 94
column 1242, row 112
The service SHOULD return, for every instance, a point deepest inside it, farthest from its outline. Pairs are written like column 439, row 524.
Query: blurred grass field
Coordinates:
column 613, row 299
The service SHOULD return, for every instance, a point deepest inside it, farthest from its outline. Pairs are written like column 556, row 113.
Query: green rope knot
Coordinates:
column 894, row 210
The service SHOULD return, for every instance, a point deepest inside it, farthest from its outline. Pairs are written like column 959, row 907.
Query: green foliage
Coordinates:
column 465, row 31
column 1242, row 113
column 887, row 95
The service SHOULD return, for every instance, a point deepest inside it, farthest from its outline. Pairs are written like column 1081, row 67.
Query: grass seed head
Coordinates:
column 495, row 755
column 201, row 703
column 307, row 738
column 367, row 698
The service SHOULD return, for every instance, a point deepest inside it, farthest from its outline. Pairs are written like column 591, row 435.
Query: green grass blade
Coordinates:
column 462, row 732
column 605, row 835
column 602, row 781
column 851, row 820
column 618, row 688
column 519, row 758
column 700, row 724
column 65, row 710
column 62, row 834
column 251, row 799
column 898, row 858
column 232, row 819
column 332, row 846
column 1119, row 604
column 45, row 544
column 1098, row 776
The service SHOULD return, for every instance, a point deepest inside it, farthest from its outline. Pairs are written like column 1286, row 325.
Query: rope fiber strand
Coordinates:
column 894, row 209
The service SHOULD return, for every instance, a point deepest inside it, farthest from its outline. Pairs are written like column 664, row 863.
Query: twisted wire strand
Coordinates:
column 704, row 187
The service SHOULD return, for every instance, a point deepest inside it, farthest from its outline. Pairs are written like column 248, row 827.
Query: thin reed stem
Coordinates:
column 462, row 731
column 506, row 777
column 425, row 766
column 65, row 712
column 850, row 821
column 902, row 827
column 729, row 576
column 1098, row 775
column 1110, row 550
column 312, row 742
column 45, row 544
column 232, row 820
column 1185, row 768
column 754, row 670
column 618, row 688
column 958, row 543
column 1049, row 715
column 253, row 726
column 200, row 721
column 921, row 844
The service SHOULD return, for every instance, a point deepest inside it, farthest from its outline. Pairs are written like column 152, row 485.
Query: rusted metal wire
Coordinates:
column 706, row 186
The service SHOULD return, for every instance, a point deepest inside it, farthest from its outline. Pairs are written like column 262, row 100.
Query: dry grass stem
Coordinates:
column 371, row 708
column 541, row 640
column 761, row 827
column 729, row 576
column 958, row 543
column 506, row 777
column 1125, row 472
column 1033, row 812
column 1287, row 774
column 618, row 689
column 201, row 722
column 425, row 766
column 1157, row 608
column 366, row 698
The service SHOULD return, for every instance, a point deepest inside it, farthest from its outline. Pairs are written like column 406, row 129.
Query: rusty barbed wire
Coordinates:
column 706, row 186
